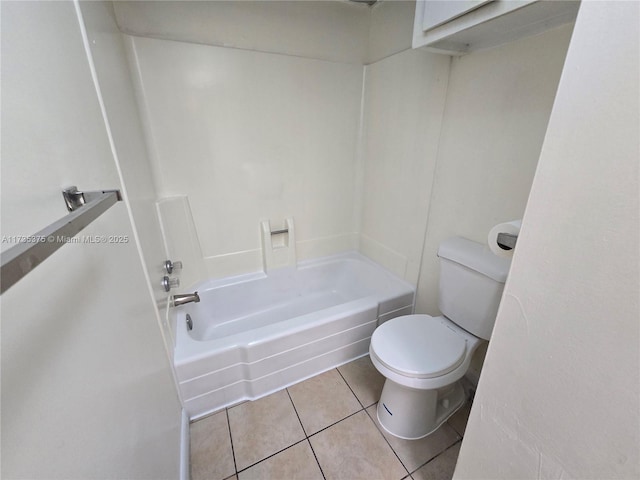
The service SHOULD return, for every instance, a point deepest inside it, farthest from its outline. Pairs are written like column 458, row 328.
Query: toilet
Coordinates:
column 422, row 357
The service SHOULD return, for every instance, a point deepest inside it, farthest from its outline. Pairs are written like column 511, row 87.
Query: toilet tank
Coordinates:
column 471, row 283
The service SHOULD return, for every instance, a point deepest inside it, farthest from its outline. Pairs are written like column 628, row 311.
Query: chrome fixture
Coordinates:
column 507, row 241
column 74, row 198
column 31, row 251
column 170, row 266
column 189, row 322
column 281, row 231
column 169, row 283
column 178, row 300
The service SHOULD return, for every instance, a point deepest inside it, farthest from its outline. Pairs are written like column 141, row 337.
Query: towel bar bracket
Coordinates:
column 74, row 198
column 84, row 208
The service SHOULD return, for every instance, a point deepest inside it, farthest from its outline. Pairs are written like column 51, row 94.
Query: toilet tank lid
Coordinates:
column 475, row 256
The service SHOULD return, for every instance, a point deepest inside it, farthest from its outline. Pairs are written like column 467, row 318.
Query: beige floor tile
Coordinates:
column 441, row 467
column 295, row 462
column 211, row 455
column 363, row 378
column 354, row 449
column 459, row 419
column 263, row 427
column 414, row 453
column 323, row 400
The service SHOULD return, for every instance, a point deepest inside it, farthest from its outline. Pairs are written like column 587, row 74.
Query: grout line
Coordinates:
column 297, row 415
column 354, row 393
column 385, row 439
column 335, row 423
column 441, row 453
column 272, row 455
column 305, row 434
column 316, row 457
column 308, row 436
column 288, row 447
column 233, row 452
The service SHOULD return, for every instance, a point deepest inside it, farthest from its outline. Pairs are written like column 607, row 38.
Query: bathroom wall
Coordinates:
column 390, row 29
column 327, row 30
column 497, row 108
column 263, row 135
column 404, row 102
column 560, row 390
column 112, row 69
column 455, row 150
column 248, row 136
column 86, row 387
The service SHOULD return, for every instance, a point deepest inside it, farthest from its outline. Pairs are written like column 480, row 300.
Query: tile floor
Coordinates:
column 322, row 428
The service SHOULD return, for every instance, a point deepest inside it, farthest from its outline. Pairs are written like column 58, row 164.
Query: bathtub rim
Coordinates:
column 187, row 348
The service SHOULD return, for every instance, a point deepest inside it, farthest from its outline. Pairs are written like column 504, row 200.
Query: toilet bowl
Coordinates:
column 424, row 357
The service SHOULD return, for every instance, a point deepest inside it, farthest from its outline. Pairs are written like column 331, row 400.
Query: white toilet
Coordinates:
column 423, row 357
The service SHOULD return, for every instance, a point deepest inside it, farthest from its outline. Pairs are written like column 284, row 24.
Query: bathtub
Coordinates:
column 255, row 334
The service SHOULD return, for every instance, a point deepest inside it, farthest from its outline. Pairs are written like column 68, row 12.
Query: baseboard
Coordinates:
column 184, row 446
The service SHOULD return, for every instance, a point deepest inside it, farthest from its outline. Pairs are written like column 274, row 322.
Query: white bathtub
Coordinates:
column 255, row 334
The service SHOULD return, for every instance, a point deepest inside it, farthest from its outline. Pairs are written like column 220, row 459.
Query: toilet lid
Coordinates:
column 418, row 346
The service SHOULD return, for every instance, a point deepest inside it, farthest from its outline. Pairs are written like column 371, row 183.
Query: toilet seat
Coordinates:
column 418, row 346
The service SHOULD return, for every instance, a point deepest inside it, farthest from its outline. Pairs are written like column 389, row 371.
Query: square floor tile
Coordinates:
column 414, row 453
column 211, row 455
column 294, row 462
column 323, row 400
column 459, row 419
column 441, row 467
column 354, row 449
column 263, row 427
column 363, row 378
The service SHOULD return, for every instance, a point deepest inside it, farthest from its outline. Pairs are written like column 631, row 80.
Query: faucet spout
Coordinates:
column 178, row 300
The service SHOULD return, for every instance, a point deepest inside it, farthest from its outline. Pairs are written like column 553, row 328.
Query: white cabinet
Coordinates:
column 437, row 12
column 460, row 26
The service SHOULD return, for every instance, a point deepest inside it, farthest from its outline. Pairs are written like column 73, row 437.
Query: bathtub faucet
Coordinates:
column 178, row 300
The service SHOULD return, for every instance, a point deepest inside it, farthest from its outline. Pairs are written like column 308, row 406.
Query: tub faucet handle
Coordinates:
column 169, row 283
column 170, row 266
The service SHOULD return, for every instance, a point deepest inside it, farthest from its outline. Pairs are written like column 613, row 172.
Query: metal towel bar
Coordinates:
column 85, row 207
column 278, row 232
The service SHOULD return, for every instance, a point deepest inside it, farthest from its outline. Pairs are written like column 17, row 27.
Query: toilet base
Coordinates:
column 413, row 414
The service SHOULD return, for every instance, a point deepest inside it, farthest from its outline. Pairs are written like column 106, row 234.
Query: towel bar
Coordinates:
column 85, row 207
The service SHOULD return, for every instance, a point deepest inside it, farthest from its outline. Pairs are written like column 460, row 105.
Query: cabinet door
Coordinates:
column 437, row 12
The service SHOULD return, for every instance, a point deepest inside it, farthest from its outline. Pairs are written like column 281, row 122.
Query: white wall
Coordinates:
column 390, row 29
column 559, row 395
column 248, row 136
column 110, row 59
column 327, row 30
column 241, row 135
column 404, row 101
column 86, row 387
column 451, row 150
column 498, row 106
